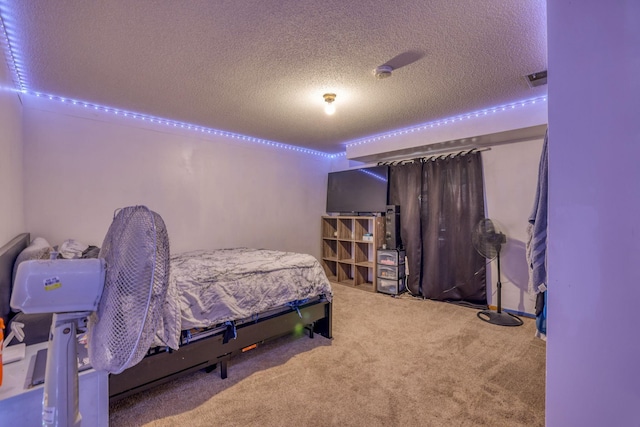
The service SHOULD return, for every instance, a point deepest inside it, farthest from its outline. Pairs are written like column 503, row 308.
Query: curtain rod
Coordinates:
column 443, row 154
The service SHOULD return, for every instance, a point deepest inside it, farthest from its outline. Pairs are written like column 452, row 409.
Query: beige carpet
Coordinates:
column 392, row 362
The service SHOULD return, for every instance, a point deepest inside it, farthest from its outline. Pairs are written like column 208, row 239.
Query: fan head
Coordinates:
column 136, row 252
column 487, row 239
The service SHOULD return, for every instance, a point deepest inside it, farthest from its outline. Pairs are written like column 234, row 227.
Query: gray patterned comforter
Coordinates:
column 211, row 287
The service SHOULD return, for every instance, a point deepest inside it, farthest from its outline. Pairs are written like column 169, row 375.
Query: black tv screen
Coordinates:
column 358, row 190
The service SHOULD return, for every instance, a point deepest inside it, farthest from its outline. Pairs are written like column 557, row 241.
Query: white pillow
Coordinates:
column 39, row 248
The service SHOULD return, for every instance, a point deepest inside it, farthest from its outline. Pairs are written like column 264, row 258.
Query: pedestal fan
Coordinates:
column 488, row 241
column 122, row 292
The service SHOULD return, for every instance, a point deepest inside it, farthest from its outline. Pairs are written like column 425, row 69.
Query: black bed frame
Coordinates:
column 206, row 353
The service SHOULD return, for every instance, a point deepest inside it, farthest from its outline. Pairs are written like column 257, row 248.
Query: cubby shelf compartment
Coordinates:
column 330, row 269
column 329, row 249
column 349, row 249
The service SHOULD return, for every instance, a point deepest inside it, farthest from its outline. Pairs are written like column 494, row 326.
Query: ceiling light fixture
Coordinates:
column 329, row 98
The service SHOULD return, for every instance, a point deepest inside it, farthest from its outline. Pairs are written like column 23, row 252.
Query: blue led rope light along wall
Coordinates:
column 19, row 78
column 447, row 121
column 196, row 128
column 11, row 56
column 181, row 125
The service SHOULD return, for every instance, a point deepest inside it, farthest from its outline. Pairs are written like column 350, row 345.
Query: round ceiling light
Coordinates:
column 329, row 108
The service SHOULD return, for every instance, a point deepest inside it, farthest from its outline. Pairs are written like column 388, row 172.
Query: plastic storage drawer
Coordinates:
column 393, row 287
column 390, row 272
column 391, row 256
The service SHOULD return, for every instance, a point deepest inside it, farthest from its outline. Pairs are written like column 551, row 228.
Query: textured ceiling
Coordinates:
column 260, row 67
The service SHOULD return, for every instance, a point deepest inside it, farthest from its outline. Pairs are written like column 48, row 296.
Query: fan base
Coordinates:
column 501, row 319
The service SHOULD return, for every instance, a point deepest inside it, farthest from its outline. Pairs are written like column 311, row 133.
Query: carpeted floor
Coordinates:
column 392, row 362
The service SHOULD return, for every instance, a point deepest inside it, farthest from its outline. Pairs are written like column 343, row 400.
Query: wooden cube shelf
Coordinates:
column 349, row 249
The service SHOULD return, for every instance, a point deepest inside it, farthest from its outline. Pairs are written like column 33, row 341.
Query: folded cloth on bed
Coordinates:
column 216, row 286
column 70, row 249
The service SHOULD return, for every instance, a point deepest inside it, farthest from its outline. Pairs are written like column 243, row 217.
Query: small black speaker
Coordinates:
column 392, row 227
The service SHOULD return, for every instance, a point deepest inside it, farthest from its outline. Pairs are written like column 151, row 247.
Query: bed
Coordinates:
column 212, row 328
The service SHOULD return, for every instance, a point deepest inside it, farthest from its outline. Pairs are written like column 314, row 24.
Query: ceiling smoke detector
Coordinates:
column 382, row 72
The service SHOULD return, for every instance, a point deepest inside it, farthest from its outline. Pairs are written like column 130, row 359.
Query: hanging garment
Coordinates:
column 537, row 230
column 536, row 251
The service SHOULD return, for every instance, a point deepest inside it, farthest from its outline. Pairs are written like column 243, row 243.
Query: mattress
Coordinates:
column 207, row 288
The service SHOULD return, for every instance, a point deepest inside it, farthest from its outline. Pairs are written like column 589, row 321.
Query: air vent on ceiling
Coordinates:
column 537, row 79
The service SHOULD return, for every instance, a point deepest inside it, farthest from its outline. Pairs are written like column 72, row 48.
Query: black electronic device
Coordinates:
column 355, row 191
column 392, row 227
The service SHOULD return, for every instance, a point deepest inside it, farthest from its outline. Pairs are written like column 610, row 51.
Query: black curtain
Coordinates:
column 441, row 200
column 405, row 187
column 452, row 205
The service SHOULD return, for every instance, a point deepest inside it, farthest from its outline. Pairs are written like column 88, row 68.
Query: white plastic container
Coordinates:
column 58, row 286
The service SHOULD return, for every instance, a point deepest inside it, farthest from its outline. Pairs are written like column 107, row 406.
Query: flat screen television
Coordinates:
column 355, row 191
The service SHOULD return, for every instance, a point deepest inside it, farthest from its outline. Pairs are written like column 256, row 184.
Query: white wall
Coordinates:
column 11, row 207
column 593, row 347
column 511, row 175
column 212, row 192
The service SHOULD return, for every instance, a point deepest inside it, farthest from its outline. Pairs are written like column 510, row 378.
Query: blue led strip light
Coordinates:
column 12, row 59
column 180, row 125
column 447, row 121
